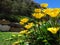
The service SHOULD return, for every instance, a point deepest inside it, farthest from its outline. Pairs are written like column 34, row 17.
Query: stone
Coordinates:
column 4, row 28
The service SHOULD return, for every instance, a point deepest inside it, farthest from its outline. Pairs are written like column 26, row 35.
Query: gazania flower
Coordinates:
column 21, row 23
column 37, row 10
column 44, row 5
column 38, row 15
column 53, row 30
column 24, row 20
column 23, row 32
column 28, row 26
column 47, row 11
column 53, row 14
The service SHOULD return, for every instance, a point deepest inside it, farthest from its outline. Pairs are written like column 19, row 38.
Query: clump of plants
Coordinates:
column 42, row 28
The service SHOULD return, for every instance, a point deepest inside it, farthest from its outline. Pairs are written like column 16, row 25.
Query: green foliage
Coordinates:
column 12, row 18
column 16, row 7
column 22, row 7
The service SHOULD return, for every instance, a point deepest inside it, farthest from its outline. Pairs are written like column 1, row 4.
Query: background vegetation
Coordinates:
column 11, row 8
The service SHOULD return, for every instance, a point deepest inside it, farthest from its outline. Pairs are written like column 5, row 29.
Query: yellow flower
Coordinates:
column 53, row 30
column 23, row 32
column 44, row 5
column 37, row 10
column 24, row 20
column 47, row 11
column 53, row 14
column 38, row 15
column 56, row 10
column 28, row 26
column 21, row 23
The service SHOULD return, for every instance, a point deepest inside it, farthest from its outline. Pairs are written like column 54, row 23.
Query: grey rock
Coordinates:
column 4, row 28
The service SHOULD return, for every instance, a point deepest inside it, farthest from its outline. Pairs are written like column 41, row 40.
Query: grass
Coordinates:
column 4, row 36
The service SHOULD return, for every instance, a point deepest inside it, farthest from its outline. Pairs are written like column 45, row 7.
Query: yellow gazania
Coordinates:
column 38, row 15
column 21, row 23
column 44, row 5
column 53, row 30
column 56, row 10
column 28, row 26
column 53, row 14
column 37, row 10
column 23, row 32
column 24, row 20
column 47, row 11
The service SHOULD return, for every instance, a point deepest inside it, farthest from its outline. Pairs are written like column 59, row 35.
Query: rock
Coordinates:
column 4, row 28
column 14, row 29
column 0, row 27
column 17, row 25
column 5, row 22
